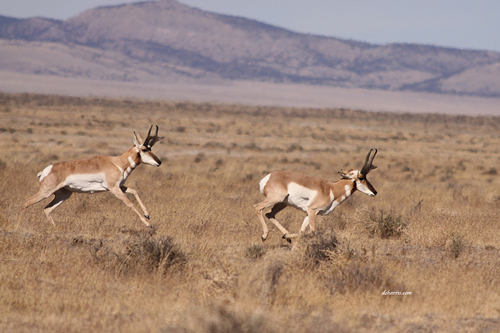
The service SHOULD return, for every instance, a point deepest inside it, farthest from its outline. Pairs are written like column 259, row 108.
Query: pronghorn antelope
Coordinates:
column 96, row 174
column 310, row 194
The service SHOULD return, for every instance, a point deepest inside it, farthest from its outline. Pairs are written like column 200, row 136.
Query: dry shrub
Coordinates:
column 140, row 253
column 359, row 276
column 386, row 225
column 456, row 245
column 220, row 318
column 262, row 279
column 317, row 248
column 341, row 268
column 255, row 251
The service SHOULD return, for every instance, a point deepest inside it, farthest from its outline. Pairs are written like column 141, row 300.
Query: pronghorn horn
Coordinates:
column 368, row 163
column 151, row 140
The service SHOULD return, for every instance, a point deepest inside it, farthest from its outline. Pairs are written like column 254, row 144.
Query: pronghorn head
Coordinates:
column 144, row 147
column 359, row 177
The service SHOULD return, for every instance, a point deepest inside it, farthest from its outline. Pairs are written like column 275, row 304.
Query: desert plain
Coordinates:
column 421, row 256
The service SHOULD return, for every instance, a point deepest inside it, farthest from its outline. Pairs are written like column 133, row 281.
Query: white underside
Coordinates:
column 88, row 183
column 300, row 197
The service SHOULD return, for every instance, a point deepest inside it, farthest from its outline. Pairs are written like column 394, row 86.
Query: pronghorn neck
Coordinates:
column 128, row 161
column 132, row 157
column 346, row 187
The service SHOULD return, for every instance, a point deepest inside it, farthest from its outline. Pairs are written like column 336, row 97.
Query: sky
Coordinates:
column 464, row 24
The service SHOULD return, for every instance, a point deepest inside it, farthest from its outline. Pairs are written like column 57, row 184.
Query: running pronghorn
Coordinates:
column 310, row 194
column 96, row 174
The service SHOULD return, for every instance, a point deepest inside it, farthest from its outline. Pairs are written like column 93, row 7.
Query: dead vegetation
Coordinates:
column 432, row 230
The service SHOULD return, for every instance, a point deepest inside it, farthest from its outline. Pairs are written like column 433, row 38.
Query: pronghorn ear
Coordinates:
column 137, row 140
column 343, row 175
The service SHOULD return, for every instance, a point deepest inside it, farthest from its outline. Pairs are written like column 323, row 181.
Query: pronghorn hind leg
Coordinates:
column 61, row 195
column 270, row 201
column 117, row 191
column 272, row 214
column 259, row 209
column 42, row 194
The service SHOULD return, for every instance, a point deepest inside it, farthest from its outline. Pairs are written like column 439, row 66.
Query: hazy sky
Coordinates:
column 455, row 23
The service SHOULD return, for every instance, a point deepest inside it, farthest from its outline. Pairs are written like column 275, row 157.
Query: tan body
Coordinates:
column 313, row 195
column 95, row 174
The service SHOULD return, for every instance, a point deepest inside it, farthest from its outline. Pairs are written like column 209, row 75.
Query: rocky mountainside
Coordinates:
column 166, row 40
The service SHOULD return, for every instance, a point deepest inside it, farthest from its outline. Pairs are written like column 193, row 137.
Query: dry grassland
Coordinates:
column 433, row 230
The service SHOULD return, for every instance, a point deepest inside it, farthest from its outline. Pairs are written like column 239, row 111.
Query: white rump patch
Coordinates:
column 263, row 183
column 88, row 182
column 44, row 173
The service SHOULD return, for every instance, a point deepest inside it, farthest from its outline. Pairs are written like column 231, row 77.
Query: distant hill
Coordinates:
column 168, row 41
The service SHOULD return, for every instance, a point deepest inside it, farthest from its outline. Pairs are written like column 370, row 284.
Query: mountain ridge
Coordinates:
column 168, row 37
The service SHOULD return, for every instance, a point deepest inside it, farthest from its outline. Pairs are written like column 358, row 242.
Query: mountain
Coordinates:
column 165, row 40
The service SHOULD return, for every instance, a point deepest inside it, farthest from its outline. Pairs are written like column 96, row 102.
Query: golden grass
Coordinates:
column 433, row 229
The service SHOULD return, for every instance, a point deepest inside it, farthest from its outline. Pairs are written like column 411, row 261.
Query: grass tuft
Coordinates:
column 386, row 225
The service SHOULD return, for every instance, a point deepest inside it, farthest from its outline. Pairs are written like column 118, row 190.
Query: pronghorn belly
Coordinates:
column 300, row 197
column 88, row 183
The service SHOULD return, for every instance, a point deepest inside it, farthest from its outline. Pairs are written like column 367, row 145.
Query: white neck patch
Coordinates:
column 132, row 163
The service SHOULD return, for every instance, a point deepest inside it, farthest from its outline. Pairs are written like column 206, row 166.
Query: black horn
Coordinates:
column 151, row 140
column 368, row 163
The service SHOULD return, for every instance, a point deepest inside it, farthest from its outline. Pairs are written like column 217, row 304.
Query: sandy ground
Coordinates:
column 255, row 93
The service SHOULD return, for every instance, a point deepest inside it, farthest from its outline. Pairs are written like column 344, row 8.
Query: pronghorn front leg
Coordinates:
column 304, row 224
column 311, row 215
column 117, row 191
column 310, row 220
column 136, row 195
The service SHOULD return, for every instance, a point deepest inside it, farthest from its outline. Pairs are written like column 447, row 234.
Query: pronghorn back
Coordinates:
column 287, row 179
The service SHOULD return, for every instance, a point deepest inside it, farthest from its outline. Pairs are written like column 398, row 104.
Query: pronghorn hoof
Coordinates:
column 263, row 238
column 289, row 240
column 146, row 216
